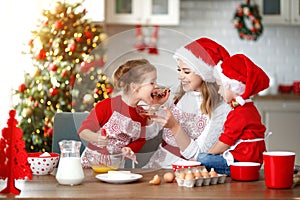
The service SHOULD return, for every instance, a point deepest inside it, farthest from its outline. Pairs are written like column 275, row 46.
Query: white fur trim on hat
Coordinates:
column 201, row 68
column 232, row 84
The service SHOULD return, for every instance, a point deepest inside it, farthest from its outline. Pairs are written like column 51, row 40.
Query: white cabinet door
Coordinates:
column 123, row 11
column 162, row 12
column 285, row 12
column 282, row 118
column 144, row 12
column 275, row 11
column 295, row 18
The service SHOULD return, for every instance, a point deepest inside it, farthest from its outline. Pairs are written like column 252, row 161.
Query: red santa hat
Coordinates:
column 240, row 75
column 201, row 56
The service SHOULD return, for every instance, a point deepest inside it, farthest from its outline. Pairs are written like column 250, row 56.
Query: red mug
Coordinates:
column 296, row 87
column 279, row 169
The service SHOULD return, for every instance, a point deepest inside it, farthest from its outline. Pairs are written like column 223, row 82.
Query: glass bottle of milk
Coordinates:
column 69, row 171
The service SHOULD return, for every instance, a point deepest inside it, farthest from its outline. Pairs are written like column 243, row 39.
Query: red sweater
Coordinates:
column 244, row 122
column 102, row 114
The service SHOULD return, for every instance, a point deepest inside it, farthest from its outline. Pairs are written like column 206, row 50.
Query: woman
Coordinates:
column 194, row 118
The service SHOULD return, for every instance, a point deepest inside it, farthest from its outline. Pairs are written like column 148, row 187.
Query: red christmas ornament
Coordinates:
column 36, row 104
column 72, row 81
column 13, row 156
column 22, row 87
column 88, row 34
column 109, row 90
column 73, row 103
column 46, row 21
column 64, row 72
column 78, row 39
column 30, row 43
column 72, row 47
column 53, row 92
column 41, row 54
column 59, row 25
column 96, row 90
column 53, row 67
column 50, row 132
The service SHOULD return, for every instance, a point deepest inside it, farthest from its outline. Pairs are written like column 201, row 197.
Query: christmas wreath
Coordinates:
column 247, row 20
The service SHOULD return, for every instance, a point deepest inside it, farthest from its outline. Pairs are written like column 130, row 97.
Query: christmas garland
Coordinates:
column 248, row 12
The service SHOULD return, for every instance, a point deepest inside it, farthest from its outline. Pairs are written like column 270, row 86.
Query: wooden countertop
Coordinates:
column 46, row 187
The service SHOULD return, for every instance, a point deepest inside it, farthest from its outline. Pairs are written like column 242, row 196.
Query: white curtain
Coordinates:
column 17, row 19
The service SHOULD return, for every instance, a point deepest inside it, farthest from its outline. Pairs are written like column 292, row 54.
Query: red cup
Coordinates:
column 279, row 169
column 296, row 87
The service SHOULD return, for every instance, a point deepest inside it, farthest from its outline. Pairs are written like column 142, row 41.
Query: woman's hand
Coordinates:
column 128, row 153
column 166, row 119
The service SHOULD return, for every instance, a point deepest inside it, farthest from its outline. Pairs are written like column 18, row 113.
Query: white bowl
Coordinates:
column 185, row 164
column 42, row 164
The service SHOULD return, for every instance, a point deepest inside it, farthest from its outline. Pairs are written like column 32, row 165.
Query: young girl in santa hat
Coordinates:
column 195, row 115
column 243, row 137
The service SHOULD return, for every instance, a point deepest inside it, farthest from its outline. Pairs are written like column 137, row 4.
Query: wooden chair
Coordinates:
column 66, row 125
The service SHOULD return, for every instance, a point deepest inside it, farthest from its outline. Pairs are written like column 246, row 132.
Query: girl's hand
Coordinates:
column 102, row 138
column 128, row 153
column 101, row 141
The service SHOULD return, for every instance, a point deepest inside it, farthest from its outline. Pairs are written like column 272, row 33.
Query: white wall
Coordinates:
column 277, row 51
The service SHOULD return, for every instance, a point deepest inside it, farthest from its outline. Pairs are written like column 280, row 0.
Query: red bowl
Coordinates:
column 185, row 164
column 285, row 88
column 245, row 171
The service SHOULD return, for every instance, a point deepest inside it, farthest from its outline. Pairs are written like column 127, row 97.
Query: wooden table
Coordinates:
column 46, row 187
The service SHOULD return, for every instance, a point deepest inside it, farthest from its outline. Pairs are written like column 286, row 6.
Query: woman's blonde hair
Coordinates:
column 210, row 95
column 133, row 71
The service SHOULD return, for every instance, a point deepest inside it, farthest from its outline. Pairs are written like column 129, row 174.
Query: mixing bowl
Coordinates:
column 245, row 171
column 103, row 163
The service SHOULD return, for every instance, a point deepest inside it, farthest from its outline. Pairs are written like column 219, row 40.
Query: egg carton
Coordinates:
column 198, row 181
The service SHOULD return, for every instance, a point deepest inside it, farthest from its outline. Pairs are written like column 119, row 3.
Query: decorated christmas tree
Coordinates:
column 67, row 51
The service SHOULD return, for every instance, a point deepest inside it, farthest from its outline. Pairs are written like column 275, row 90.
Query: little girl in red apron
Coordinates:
column 244, row 134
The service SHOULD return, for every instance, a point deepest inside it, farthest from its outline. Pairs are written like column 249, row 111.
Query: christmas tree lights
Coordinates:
column 67, row 52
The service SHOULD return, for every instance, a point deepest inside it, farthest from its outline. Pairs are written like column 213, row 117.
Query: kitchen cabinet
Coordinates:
column 281, row 117
column 284, row 12
column 144, row 12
